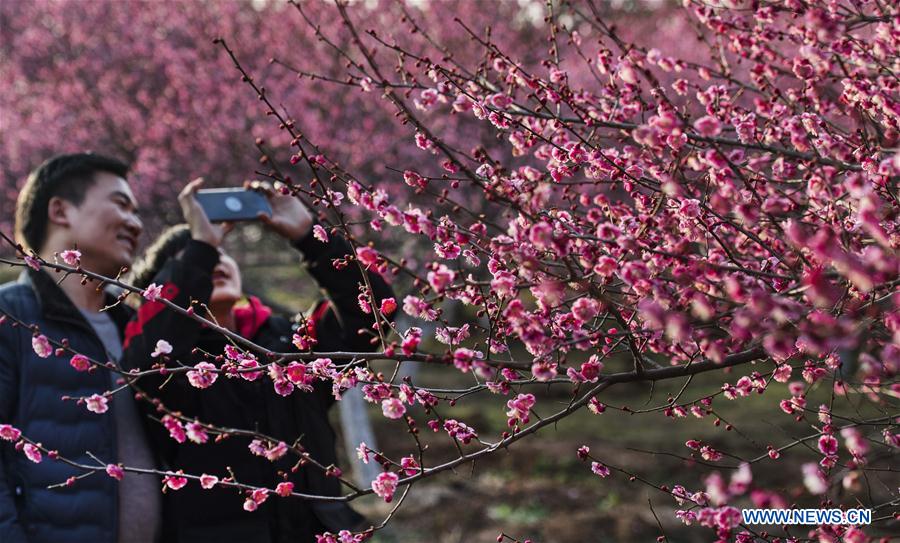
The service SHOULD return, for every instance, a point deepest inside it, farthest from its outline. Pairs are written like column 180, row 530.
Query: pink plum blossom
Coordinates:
column 41, row 346
column 163, row 347
column 600, row 469
column 393, row 408
column 97, row 403
column 9, row 433
column 71, row 257
column 152, row 292
column 388, row 306
column 284, row 489
column 175, row 481
column 319, row 233
column 115, row 471
column 80, row 362
column 202, row 376
column 32, row 452
column 385, row 485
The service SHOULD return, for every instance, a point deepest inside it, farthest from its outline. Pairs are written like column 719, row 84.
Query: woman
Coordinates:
column 188, row 263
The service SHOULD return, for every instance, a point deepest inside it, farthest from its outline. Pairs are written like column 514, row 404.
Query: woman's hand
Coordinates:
column 290, row 219
column 201, row 228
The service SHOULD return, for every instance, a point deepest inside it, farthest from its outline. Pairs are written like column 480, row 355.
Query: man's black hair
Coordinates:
column 66, row 176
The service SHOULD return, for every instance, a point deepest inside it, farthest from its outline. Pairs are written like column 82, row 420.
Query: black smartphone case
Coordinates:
column 233, row 204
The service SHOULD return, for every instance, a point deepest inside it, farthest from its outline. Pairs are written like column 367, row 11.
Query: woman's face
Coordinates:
column 226, row 281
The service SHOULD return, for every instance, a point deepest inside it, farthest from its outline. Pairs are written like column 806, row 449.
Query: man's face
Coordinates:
column 106, row 226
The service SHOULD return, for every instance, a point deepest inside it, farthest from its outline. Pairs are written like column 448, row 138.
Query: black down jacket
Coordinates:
column 31, row 389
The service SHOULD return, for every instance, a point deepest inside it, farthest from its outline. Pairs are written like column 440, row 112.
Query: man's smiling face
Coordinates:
column 105, row 226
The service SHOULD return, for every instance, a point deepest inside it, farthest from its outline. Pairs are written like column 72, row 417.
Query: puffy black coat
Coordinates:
column 30, row 392
column 194, row 514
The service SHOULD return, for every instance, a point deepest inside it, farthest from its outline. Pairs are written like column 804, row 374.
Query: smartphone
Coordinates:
column 232, row 204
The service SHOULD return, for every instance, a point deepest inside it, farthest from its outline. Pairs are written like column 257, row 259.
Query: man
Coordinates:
column 82, row 202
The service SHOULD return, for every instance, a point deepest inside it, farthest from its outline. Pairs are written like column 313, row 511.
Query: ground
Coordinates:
column 539, row 489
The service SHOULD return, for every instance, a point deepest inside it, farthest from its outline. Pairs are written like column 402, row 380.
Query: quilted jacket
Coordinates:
column 30, row 399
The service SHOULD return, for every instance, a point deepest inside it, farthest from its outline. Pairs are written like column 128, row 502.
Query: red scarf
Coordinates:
column 250, row 317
